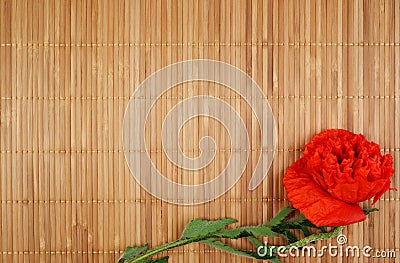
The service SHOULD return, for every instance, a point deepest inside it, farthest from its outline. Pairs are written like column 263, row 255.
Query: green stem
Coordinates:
column 182, row 242
column 173, row 244
column 312, row 238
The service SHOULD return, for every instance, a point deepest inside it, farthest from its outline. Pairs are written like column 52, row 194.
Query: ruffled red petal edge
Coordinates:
column 316, row 204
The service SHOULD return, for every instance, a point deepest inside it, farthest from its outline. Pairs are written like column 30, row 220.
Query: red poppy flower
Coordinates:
column 338, row 170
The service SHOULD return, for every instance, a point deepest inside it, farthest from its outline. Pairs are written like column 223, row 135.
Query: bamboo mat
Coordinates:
column 68, row 69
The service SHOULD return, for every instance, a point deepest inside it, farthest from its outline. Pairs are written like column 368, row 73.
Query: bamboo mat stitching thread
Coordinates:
column 211, row 44
column 119, row 252
column 219, row 97
column 161, row 151
column 144, row 200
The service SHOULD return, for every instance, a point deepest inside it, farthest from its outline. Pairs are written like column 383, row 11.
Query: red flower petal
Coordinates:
column 347, row 166
column 315, row 203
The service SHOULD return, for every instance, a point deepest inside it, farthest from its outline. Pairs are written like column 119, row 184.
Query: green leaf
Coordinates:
column 158, row 260
column 161, row 260
column 289, row 236
column 280, row 217
column 323, row 229
column 224, row 247
column 309, row 224
column 369, row 211
column 306, row 231
column 199, row 227
column 275, row 260
column 297, row 223
column 300, row 218
column 131, row 252
column 261, row 231
column 257, row 243
column 232, row 233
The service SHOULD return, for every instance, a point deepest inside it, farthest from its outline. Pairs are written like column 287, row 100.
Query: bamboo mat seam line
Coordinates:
column 148, row 151
column 121, row 251
column 143, row 151
column 129, row 201
column 207, row 44
column 146, row 200
column 219, row 97
column 396, row 149
column 58, row 252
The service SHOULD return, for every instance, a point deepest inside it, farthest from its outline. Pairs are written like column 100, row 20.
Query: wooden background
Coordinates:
column 68, row 68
